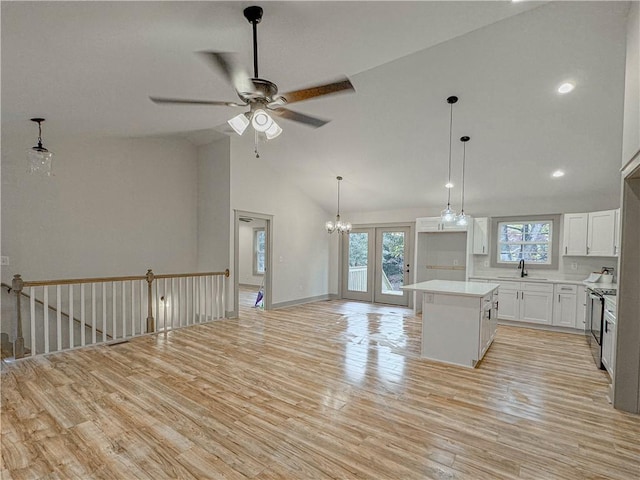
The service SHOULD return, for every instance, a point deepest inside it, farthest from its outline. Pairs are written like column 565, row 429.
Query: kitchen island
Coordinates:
column 459, row 320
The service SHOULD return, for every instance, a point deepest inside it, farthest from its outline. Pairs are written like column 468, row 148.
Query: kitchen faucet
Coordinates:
column 523, row 272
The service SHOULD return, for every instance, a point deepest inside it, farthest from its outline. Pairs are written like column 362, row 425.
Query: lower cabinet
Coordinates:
column 526, row 302
column 564, row 309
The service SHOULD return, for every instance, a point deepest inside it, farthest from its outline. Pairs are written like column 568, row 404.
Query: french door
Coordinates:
column 376, row 264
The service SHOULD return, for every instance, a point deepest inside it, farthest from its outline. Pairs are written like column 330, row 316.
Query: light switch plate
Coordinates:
column 4, row 260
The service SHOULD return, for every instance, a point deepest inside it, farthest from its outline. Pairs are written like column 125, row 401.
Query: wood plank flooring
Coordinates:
column 325, row 390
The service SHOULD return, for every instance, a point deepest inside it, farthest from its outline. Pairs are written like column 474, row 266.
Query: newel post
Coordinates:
column 151, row 324
column 17, row 285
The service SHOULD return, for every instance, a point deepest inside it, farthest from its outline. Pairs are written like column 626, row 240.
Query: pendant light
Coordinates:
column 448, row 215
column 462, row 219
column 338, row 226
column 39, row 158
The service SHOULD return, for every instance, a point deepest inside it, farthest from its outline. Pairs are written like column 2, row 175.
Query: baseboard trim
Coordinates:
column 541, row 326
column 302, row 301
column 231, row 314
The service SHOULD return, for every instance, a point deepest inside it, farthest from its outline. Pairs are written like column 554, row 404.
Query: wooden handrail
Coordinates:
column 76, row 281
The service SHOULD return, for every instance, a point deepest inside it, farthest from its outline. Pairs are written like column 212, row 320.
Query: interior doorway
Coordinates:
column 253, row 247
column 376, row 264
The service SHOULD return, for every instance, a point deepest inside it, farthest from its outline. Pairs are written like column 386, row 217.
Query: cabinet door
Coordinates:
column 575, row 234
column 508, row 303
column 536, row 307
column 428, row 224
column 481, row 236
column 564, row 310
column 581, row 307
column 600, row 233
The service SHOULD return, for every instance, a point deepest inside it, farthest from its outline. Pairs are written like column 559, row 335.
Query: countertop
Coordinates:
column 469, row 289
column 506, row 278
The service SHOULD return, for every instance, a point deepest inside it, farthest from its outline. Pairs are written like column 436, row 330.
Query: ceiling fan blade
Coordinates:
column 308, row 120
column 343, row 85
column 186, row 101
column 235, row 74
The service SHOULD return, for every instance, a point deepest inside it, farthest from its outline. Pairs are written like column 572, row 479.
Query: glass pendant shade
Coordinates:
column 261, row 121
column 39, row 161
column 447, row 215
column 273, row 131
column 462, row 220
column 239, row 123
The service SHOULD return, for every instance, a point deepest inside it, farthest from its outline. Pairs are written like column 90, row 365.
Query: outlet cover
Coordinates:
column 486, row 263
column 4, row 261
column 574, row 266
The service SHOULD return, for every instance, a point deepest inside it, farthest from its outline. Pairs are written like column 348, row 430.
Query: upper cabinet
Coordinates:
column 481, row 236
column 600, row 237
column 434, row 224
column 591, row 234
column 575, row 234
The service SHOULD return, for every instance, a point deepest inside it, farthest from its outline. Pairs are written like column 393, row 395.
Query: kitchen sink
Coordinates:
column 518, row 277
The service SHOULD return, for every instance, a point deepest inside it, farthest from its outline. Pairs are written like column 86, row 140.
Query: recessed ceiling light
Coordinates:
column 566, row 87
column 449, row 185
column 557, row 174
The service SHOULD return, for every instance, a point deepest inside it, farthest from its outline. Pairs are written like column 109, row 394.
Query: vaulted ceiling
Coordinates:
column 89, row 67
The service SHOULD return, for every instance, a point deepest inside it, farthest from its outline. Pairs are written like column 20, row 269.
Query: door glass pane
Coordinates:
column 392, row 263
column 358, row 258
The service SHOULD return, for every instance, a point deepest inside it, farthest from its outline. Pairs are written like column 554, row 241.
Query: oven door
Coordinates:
column 596, row 310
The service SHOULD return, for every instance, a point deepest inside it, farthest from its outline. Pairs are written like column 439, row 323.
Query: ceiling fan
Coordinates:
column 260, row 95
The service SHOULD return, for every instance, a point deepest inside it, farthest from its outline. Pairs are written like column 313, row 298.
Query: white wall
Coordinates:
column 301, row 245
column 631, row 128
column 214, row 206
column 245, row 254
column 114, row 206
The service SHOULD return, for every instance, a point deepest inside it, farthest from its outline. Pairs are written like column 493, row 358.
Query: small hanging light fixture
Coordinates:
column 448, row 215
column 462, row 219
column 39, row 158
column 338, row 225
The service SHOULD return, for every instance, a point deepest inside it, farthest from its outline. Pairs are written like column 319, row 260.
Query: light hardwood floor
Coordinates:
column 325, row 390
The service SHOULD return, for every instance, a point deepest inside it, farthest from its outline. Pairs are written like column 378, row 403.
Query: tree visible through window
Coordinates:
column 528, row 241
column 258, row 251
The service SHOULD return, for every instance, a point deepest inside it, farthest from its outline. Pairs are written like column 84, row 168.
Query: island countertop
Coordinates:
column 470, row 289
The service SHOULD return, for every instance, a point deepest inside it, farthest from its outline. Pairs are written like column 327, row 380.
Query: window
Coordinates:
column 258, row 251
column 530, row 241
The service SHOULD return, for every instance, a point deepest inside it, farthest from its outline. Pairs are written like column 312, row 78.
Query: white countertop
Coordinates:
column 470, row 289
column 506, row 278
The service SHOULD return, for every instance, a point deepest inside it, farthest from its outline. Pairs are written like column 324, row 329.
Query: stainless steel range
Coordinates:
column 595, row 315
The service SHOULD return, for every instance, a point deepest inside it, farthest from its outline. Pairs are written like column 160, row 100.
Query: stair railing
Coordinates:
column 112, row 309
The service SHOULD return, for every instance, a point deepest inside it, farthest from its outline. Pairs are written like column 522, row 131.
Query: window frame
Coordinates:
column 548, row 243
column 256, row 252
column 555, row 229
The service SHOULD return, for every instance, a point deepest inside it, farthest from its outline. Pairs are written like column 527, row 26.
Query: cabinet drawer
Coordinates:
column 508, row 285
column 563, row 288
column 537, row 287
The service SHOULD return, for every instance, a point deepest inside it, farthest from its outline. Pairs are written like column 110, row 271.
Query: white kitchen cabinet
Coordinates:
column 581, row 308
column 616, row 233
column 434, row 224
column 575, row 234
column 481, row 236
column 609, row 337
column 565, row 306
column 526, row 302
column 601, row 233
column 593, row 234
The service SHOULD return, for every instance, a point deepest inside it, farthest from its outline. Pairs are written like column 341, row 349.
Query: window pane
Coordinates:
column 358, row 258
column 392, row 263
column 258, row 251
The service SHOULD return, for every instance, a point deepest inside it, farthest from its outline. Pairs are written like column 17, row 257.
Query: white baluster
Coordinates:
column 94, row 320
column 82, row 317
column 71, row 331
column 133, row 314
column 104, row 311
column 124, row 311
column 114, row 334
column 32, row 304
column 46, row 319
column 224, row 296
column 58, row 317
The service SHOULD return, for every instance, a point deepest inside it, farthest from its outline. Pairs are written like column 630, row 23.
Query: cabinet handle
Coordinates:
column 565, row 250
column 588, row 249
column 606, row 327
column 483, row 249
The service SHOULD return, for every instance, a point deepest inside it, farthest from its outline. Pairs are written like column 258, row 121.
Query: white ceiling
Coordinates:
column 89, row 67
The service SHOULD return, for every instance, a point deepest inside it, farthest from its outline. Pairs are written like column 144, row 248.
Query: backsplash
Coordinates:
column 584, row 266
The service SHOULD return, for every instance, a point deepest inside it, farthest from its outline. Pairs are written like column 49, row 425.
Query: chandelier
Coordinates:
column 338, row 225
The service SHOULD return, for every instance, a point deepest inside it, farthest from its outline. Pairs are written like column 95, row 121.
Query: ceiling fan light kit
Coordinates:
column 260, row 95
column 39, row 158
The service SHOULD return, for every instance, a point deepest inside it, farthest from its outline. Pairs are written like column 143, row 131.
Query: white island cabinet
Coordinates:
column 459, row 320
